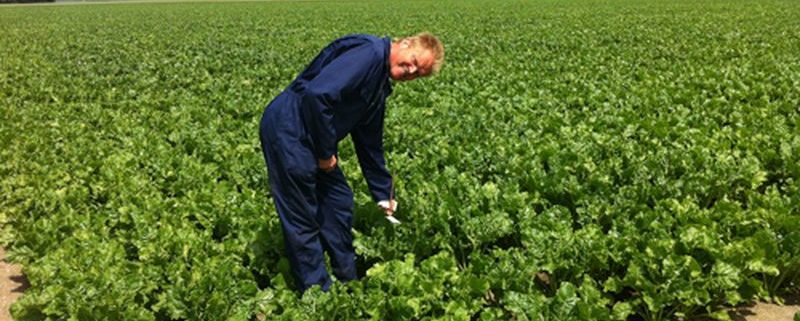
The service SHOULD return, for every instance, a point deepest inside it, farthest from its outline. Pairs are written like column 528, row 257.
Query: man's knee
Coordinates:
column 344, row 201
column 339, row 196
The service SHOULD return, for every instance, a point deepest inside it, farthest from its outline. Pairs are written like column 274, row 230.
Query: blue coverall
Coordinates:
column 343, row 91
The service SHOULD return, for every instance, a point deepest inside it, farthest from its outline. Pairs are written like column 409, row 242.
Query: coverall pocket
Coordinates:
column 298, row 159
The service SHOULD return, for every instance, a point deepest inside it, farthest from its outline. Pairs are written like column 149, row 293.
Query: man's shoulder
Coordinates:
column 358, row 40
column 361, row 37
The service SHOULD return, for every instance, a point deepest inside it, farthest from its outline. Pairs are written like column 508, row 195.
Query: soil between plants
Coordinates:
column 12, row 285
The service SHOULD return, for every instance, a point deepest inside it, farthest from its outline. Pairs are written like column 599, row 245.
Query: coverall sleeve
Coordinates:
column 343, row 75
column 368, row 141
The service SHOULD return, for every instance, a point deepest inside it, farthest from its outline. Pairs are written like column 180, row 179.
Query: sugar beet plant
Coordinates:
column 575, row 160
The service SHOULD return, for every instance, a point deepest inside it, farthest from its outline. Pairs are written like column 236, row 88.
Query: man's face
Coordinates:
column 408, row 63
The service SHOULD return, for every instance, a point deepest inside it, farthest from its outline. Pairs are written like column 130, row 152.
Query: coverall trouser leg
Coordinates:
column 335, row 218
column 315, row 210
column 290, row 190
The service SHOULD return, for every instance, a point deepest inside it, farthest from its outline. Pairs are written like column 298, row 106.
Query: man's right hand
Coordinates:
column 327, row 164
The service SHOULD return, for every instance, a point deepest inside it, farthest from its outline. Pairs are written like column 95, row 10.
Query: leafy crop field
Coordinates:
column 575, row 160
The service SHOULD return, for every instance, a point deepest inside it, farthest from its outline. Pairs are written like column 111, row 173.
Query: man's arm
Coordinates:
column 342, row 75
column 368, row 141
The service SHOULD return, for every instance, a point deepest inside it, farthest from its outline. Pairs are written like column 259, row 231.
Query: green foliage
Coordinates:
column 574, row 160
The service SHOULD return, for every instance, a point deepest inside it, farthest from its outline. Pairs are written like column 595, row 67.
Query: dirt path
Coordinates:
column 12, row 284
column 768, row 312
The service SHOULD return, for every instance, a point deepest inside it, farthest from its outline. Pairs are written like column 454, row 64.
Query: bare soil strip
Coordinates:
column 768, row 312
column 12, row 284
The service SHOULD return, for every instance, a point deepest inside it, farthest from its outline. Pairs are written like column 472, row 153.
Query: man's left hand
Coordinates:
column 388, row 206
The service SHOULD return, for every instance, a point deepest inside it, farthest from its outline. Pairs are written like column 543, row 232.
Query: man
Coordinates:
column 343, row 91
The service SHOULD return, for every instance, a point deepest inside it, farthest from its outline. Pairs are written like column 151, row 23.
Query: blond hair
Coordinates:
column 428, row 41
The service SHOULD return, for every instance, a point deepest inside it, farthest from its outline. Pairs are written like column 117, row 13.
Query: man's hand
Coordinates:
column 388, row 207
column 327, row 164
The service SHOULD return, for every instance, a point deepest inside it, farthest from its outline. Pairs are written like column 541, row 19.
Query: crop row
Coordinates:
column 573, row 161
